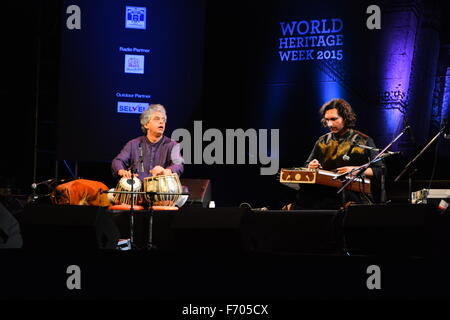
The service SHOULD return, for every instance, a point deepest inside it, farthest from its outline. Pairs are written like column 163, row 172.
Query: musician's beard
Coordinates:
column 336, row 131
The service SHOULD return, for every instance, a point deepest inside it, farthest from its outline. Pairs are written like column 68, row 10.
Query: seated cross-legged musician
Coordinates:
column 336, row 152
column 152, row 154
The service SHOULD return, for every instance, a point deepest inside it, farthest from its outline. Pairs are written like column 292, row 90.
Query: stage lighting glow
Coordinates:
column 398, row 48
column 328, row 87
column 446, row 97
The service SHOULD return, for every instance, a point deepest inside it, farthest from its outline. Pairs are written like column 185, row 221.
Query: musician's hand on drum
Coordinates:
column 124, row 173
column 167, row 172
column 314, row 164
column 156, row 171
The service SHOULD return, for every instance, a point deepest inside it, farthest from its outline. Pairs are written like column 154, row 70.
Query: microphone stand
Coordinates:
column 383, row 196
column 133, row 246
column 34, row 196
column 151, row 197
column 415, row 159
column 380, row 156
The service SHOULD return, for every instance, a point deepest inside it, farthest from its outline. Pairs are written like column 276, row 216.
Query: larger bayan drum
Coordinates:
column 163, row 191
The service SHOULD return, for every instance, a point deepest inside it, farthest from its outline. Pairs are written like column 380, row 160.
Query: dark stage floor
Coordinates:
column 227, row 255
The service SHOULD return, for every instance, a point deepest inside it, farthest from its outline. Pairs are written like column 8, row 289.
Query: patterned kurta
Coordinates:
column 330, row 150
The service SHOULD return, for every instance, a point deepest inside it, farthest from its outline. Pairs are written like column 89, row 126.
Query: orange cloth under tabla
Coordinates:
column 81, row 192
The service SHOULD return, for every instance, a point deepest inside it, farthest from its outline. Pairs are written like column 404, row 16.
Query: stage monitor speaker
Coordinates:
column 208, row 230
column 67, row 227
column 294, row 232
column 200, row 192
column 10, row 236
column 388, row 230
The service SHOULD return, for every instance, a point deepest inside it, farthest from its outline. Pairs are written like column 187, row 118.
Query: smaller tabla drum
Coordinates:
column 126, row 184
column 169, row 185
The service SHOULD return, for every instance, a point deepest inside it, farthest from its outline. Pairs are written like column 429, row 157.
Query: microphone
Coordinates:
column 141, row 157
column 391, row 153
column 346, row 156
column 34, row 185
column 409, row 129
column 388, row 154
column 411, row 135
column 132, row 169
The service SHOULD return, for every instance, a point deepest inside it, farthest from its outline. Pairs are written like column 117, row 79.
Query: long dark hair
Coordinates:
column 344, row 110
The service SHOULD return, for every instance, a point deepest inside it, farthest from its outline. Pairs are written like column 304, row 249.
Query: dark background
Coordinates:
column 222, row 69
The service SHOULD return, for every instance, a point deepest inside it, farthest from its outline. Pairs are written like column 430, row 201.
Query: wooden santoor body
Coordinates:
column 321, row 177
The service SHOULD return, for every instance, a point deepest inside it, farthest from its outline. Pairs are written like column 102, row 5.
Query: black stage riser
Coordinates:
column 67, row 228
column 396, row 230
column 401, row 230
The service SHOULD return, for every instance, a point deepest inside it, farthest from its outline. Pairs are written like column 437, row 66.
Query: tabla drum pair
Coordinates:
column 168, row 185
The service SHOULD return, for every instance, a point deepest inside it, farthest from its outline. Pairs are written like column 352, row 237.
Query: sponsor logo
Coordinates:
column 135, row 17
column 134, row 63
column 131, row 107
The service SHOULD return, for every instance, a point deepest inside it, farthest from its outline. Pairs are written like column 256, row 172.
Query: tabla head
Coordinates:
column 126, row 184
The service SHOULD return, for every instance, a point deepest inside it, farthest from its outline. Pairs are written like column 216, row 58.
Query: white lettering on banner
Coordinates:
column 128, row 49
column 133, row 95
column 307, row 34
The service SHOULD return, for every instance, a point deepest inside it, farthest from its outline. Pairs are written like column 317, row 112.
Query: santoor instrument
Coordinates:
column 294, row 177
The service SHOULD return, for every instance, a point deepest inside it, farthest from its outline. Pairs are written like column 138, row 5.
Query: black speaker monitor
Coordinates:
column 199, row 190
column 67, row 227
column 10, row 236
